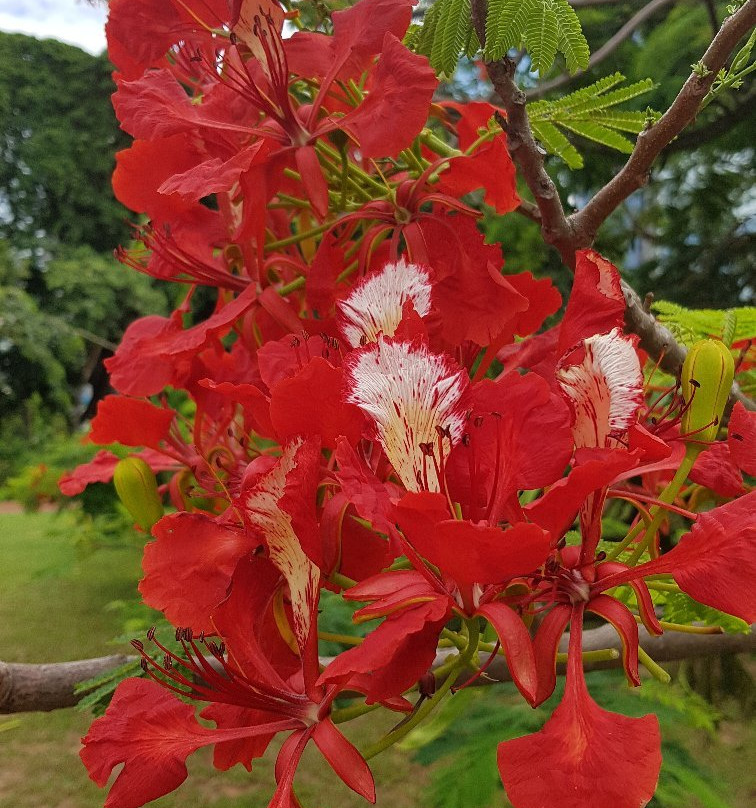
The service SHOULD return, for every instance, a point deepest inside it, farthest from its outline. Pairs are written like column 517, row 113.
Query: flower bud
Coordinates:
column 707, row 376
column 137, row 489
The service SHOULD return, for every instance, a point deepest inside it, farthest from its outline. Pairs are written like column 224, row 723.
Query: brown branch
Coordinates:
column 659, row 342
column 607, row 49
column 41, row 688
column 586, row 222
column 577, row 231
column 522, row 146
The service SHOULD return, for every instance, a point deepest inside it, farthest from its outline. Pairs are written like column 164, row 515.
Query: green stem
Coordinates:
column 600, row 655
column 297, row 237
column 457, row 664
column 653, row 668
column 341, row 580
column 437, row 145
column 344, row 639
column 339, row 716
column 667, row 497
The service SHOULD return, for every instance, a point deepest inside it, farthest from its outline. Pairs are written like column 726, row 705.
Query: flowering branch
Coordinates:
column 50, row 686
column 568, row 233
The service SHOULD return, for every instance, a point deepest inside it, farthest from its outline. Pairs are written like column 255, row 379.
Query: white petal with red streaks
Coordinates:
column 604, row 390
column 408, row 392
column 375, row 304
column 263, row 511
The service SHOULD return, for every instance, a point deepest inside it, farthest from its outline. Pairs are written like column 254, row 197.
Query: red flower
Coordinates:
column 585, row 755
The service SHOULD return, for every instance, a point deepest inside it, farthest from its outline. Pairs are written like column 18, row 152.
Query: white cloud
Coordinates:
column 76, row 23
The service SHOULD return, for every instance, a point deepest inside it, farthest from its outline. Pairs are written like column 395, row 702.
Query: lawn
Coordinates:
column 52, row 608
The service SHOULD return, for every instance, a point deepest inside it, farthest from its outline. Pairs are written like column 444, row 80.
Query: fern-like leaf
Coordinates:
column 572, row 42
column 690, row 325
column 505, row 26
column 598, row 133
column 542, row 36
column 556, row 143
column 589, row 113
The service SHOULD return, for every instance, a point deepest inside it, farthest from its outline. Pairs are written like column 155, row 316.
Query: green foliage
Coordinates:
column 446, row 33
column 690, row 325
column 58, row 136
column 589, row 112
column 543, row 27
column 680, row 608
column 36, row 348
column 463, row 735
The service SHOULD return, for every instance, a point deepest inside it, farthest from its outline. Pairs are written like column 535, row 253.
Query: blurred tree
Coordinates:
column 58, row 136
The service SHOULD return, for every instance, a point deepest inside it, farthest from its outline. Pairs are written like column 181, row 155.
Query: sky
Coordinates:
column 72, row 21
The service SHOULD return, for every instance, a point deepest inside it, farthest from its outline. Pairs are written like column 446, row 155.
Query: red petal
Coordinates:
column 345, row 760
column 591, row 758
column 596, row 303
column 546, row 645
column 141, row 170
column 741, row 438
column 715, row 469
column 152, row 347
column 517, row 645
column 556, row 509
column 280, row 509
column 188, row 568
column 715, row 563
column 471, row 298
column 397, row 106
column 471, row 553
column 396, row 654
column 240, row 750
column 152, row 733
column 362, row 488
column 468, row 172
column 131, row 422
column 313, row 180
column 321, row 385
column 98, row 470
column 623, row 621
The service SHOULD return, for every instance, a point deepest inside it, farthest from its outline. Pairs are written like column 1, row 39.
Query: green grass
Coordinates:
column 53, row 609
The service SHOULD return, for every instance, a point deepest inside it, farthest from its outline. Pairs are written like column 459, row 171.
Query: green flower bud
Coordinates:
column 136, row 487
column 707, row 376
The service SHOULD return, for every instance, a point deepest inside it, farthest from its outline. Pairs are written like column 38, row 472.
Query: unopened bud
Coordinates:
column 137, row 489
column 706, row 378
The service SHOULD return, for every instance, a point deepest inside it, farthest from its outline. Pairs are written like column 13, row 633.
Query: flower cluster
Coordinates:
column 365, row 406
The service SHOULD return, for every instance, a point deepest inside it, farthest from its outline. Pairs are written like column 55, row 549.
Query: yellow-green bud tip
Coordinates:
column 137, row 489
column 706, row 378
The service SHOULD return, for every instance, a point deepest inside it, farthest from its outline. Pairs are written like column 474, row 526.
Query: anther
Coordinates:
column 144, row 665
column 151, row 633
column 138, row 644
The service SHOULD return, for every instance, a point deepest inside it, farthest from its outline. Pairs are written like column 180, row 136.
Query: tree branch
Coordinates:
column 652, row 141
column 41, row 688
column 604, row 51
column 658, row 342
